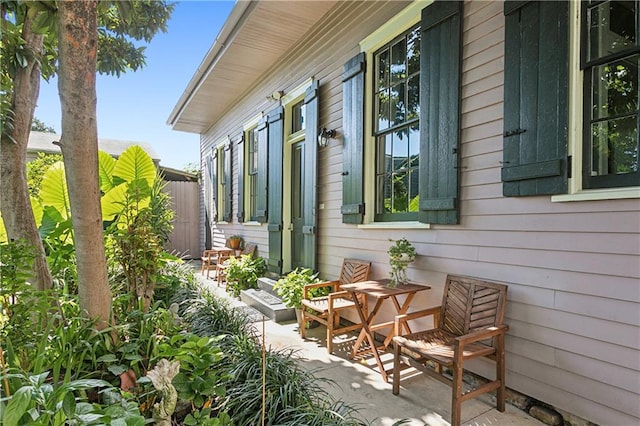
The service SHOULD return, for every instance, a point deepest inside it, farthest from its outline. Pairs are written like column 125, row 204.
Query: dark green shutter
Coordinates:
column 241, row 154
column 535, row 98
column 440, row 68
column 263, row 171
column 208, row 219
column 214, row 185
column 274, row 185
column 227, row 183
column 310, row 179
column 353, row 140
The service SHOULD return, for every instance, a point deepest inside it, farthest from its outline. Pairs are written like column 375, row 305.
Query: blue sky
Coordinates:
column 135, row 107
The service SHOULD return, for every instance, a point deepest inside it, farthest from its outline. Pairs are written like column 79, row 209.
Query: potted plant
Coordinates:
column 243, row 272
column 290, row 288
column 401, row 254
column 235, row 242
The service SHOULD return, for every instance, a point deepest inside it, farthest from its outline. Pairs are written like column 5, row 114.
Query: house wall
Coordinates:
column 573, row 268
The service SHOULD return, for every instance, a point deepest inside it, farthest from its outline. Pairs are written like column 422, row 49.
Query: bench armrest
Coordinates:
column 482, row 334
column 334, row 284
column 400, row 319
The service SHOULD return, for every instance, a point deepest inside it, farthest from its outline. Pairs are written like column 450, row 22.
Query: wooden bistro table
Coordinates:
column 379, row 290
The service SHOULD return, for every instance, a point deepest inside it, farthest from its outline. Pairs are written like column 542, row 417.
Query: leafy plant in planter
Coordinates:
column 401, row 254
column 291, row 286
column 243, row 273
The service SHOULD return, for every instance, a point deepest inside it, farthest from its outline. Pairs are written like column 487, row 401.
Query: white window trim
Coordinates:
column 402, row 22
column 395, row 225
column 575, row 118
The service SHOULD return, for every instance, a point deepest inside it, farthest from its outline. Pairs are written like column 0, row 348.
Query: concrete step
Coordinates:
column 266, row 300
column 266, row 284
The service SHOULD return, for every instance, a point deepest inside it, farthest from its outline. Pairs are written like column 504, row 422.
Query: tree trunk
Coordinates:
column 78, row 43
column 17, row 213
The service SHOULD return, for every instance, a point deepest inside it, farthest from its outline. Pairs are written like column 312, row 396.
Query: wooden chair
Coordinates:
column 221, row 267
column 326, row 309
column 208, row 262
column 467, row 325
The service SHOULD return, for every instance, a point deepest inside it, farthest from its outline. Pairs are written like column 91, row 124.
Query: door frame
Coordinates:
column 288, row 101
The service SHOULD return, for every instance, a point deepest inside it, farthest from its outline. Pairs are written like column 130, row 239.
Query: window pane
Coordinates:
column 413, row 52
column 383, row 110
column 414, row 144
column 398, row 69
column 252, row 161
column 253, row 196
column 615, row 88
column 615, row 146
column 297, row 117
column 413, row 98
column 382, row 62
column 612, row 28
column 397, row 101
column 221, row 161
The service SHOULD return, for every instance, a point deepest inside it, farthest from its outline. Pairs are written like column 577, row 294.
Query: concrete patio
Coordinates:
column 422, row 401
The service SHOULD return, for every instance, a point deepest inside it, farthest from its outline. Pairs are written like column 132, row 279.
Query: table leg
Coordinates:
column 366, row 333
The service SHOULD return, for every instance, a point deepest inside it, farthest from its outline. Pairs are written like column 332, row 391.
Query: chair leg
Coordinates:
column 303, row 329
column 330, row 325
column 500, row 373
column 396, row 368
column 456, row 394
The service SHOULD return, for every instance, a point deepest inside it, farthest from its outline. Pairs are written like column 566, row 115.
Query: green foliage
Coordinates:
column 203, row 418
column 119, row 25
column 193, row 168
column 173, row 275
column 243, row 273
column 294, row 396
column 291, row 286
column 38, row 125
column 36, row 170
column 210, row 315
column 161, row 212
column 138, row 336
column 401, row 253
column 16, row 261
column 198, row 380
column 45, row 332
column 40, row 402
column 53, row 216
column 141, row 220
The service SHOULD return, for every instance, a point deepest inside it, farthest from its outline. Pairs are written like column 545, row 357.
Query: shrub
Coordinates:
column 291, row 286
column 243, row 273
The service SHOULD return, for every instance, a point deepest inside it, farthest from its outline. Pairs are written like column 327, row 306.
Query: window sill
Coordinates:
column 251, row 223
column 598, row 194
column 395, row 225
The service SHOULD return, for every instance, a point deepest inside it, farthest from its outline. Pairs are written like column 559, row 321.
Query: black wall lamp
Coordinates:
column 324, row 136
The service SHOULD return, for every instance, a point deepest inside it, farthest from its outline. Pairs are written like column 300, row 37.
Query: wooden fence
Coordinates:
column 185, row 238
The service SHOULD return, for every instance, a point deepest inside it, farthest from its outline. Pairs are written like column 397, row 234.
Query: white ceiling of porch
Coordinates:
column 253, row 38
